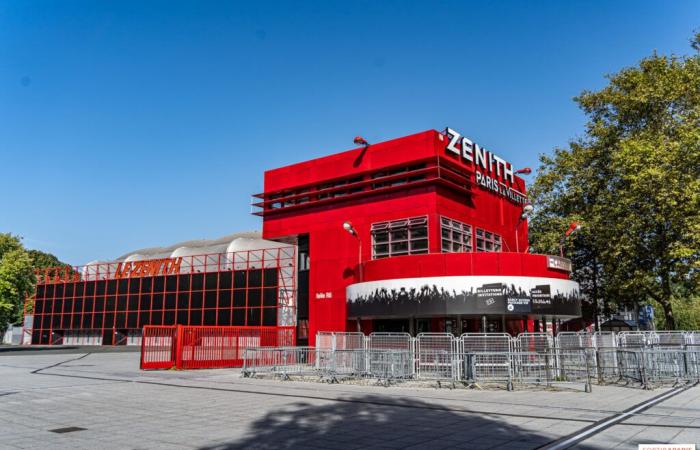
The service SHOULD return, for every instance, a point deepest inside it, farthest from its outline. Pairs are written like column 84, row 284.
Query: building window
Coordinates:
column 456, row 236
column 487, row 241
column 400, row 237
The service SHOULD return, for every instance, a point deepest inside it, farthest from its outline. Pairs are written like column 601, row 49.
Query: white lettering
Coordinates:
column 454, row 137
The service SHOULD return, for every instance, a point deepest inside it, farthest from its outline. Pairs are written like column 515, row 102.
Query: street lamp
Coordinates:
column 347, row 226
column 524, row 171
column 574, row 227
column 527, row 210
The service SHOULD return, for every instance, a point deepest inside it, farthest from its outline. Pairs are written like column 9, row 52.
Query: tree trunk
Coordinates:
column 668, row 313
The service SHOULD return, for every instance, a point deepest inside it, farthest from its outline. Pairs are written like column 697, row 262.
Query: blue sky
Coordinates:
column 133, row 124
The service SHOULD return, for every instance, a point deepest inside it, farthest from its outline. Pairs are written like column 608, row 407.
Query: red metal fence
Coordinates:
column 189, row 347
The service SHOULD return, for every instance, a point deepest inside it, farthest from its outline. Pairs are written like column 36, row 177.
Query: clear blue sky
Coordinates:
column 134, row 124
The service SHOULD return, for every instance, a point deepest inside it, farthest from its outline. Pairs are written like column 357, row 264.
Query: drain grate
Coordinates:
column 67, row 430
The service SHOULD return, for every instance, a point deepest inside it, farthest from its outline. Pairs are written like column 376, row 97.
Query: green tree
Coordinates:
column 633, row 181
column 17, row 277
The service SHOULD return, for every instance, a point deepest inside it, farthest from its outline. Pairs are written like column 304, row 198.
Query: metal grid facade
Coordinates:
column 253, row 288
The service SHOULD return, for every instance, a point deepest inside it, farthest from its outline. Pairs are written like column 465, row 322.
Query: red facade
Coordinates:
column 412, row 176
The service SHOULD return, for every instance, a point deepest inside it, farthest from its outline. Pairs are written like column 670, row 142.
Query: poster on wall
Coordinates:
column 430, row 296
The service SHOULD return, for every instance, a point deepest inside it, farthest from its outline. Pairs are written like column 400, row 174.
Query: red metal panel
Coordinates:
column 158, row 347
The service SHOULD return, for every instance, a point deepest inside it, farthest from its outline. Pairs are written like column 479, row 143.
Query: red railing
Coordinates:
column 194, row 347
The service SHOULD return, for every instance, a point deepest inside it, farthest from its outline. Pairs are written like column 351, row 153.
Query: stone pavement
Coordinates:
column 118, row 406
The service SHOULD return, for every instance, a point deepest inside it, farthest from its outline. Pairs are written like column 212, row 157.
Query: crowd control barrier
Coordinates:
column 646, row 359
column 201, row 347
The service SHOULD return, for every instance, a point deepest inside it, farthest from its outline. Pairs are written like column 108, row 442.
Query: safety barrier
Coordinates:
column 487, row 358
column 200, row 347
column 158, row 347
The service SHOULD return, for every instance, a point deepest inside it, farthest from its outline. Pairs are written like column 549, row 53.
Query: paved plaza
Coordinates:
column 103, row 401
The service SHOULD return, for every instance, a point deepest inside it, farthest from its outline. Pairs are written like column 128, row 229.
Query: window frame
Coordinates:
column 492, row 242
column 456, row 226
column 392, row 228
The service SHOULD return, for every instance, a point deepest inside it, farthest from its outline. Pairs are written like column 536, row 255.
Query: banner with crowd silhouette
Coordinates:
column 406, row 297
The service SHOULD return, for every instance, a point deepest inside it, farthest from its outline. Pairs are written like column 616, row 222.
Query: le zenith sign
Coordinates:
column 498, row 170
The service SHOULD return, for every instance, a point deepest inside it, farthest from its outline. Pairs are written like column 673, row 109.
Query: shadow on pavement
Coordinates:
column 370, row 422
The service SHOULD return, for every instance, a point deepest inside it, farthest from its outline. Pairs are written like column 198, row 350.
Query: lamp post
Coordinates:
column 527, row 210
column 347, row 226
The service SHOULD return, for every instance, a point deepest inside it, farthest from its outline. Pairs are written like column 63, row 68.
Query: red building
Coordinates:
column 420, row 233
column 425, row 233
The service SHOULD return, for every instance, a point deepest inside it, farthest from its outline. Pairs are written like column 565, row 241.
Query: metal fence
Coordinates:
column 198, row 347
column 646, row 359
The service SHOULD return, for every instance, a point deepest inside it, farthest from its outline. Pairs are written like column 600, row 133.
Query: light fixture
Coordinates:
column 527, row 210
column 359, row 140
column 524, row 171
column 573, row 228
column 349, row 228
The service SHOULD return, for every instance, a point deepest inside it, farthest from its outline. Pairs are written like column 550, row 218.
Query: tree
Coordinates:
column 17, row 277
column 633, row 181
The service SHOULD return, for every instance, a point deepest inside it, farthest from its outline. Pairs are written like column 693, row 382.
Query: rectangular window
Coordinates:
column 400, row 237
column 487, row 241
column 456, row 236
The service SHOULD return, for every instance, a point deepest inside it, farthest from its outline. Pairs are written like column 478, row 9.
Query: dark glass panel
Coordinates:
column 59, row 290
column 109, row 320
column 171, row 283
column 89, row 288
column 225, row 280
column 253, row 317
column 132, row 320
column 123, row 286
column 182, row 317
column 183, row 300
column 224, row 317
column 112, row 287
column 209, row 317
column 134, row 285
column 145, row 303
column 239, row 279
column 170, row 301
column 98, row 320
column 270, row 297
column 39, row 306
column 85, row 320
column 254, row 297
column 196, row 317
column 144, row 318
column 255, row 278
column 224, row 299
column 156, row 318
column 40, row 291
column 270, row 317
column 196, row 300
column 270, row 277
column 100, row 287
column 210, row 281
column 239, row 297
column 69, row 290
column 120, row 321
column 239, row 317
column 158, row 284
column 121, row 303
column 99, row 304
column 133, row 303
column 110, row 303
column 157, row 301
column 169, row 317
column 183, row 283
column 146, row 284
column 197, row 281
column 210, row 299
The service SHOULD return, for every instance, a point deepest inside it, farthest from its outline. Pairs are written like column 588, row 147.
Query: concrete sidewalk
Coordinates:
column 118, row 406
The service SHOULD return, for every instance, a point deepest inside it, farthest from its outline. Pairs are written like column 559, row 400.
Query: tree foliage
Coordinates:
column 17, row 277
column 633, row 181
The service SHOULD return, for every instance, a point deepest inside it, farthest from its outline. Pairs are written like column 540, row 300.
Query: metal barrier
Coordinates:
column 282, row 361
column 158, row 347
column 530, row 358
column 437, row 356
column 487, row 357
column 196, row 347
